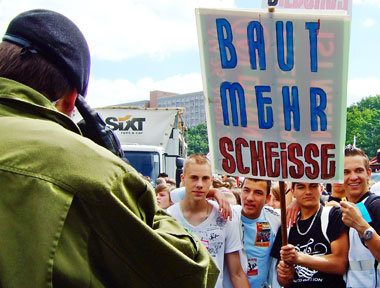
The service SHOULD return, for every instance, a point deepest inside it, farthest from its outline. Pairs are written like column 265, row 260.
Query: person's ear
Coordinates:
column 267, row 201
column 66, row 103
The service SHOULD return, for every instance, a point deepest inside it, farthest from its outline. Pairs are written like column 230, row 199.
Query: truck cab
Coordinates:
column 146, row 159
column 153, row 139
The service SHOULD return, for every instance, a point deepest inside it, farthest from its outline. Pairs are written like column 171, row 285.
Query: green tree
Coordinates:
column 197, row 141
column 363, row 122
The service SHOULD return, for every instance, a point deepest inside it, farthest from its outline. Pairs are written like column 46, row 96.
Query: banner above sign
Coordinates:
column 275, row 88
column 332, row 5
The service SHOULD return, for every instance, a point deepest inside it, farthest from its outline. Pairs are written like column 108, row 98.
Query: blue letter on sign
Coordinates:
column 313, row 29
column 261, row 101
column 291, row 107
column 255, row 28
column 226, row 43
column 317, row 111
column 233, row 89
column 289, row 46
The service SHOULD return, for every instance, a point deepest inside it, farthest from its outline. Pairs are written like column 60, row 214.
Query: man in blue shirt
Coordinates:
column 259, row 223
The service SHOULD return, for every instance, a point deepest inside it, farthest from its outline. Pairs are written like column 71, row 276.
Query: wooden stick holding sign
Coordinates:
column 284, row 234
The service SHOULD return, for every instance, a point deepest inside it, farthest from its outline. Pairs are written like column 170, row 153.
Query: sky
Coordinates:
column 138, row 46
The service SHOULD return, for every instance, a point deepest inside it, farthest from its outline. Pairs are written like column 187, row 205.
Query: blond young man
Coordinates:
column 258, row 224
column 201, row 218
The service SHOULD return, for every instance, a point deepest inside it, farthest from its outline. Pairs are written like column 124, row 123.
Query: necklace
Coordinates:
column 207, row 211
column 308, row 229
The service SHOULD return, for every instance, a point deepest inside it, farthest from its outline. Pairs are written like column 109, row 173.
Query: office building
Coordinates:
column 192, row 102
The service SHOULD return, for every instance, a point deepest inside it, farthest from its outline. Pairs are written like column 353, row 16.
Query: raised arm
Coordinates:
column 224, row 205
column 353, row 218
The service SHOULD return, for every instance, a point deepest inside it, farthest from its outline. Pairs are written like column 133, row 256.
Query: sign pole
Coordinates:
column 284, row 234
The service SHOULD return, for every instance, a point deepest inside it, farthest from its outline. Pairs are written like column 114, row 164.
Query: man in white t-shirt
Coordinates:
column 258, row 227
column 198, row 216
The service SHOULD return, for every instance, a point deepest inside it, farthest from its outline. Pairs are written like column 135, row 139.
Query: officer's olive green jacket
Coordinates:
column 74, row 215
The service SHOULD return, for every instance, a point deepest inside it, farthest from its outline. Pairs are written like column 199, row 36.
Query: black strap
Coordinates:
column 376, row 262
column 93, row 127
column 371, row 198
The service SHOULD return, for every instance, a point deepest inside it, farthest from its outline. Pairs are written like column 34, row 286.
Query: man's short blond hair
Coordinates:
column 198, row 158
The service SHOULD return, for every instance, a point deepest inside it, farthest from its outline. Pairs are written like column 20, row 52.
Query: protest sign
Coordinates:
column 275, row 88
column 333, row 5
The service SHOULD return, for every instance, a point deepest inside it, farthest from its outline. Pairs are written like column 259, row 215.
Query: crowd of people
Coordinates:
column 328, row 243
column 73, row 214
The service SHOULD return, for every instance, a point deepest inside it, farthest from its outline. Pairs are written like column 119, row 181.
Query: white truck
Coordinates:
column 152, row 138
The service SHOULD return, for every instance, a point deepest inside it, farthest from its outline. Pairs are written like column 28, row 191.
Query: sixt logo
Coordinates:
column 125, row 123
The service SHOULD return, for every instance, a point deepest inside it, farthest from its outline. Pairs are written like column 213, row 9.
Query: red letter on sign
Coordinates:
column 292, row 148
column 257, row 155
column 330, row 171
column 269, row 154
column 239, row 161
column 228, row 162
column 311, row 149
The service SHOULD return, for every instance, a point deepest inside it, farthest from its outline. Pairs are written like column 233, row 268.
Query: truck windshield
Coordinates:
column 147, row 163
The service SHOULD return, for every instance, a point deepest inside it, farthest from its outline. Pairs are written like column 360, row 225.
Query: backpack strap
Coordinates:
column 371, row 198
column 325, row 220
column 323, row 199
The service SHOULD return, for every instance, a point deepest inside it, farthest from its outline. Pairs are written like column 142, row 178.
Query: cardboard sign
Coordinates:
column 275, row 88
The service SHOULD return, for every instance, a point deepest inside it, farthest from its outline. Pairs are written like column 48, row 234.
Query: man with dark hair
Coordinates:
column 163, row 175
column 72, row 214
column 362, row 214
column 316, row 255
column 259, row 224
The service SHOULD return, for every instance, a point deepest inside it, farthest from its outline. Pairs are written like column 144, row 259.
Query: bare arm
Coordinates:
column 334, row 263
column 224, row 205
column 291, row 213
column 332, row 203
column 285, row 273
column 353, row 218
column 237, row 275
